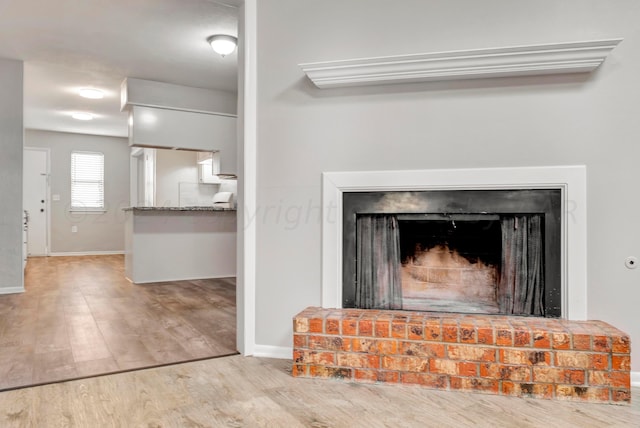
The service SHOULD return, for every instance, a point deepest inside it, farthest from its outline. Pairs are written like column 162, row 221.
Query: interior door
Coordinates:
column 35, row 200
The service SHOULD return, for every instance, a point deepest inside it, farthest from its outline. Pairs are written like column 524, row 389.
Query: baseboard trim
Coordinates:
column 12, row 290
column 267, row 351
column 86, row 253
column 635, row 379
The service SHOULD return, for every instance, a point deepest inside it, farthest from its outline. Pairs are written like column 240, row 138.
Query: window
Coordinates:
column 87, row 181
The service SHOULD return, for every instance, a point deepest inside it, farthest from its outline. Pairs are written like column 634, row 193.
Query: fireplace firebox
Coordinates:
column 466, row 251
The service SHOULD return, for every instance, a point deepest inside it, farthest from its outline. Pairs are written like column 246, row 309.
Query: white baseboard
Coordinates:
column 635, row 379
column 11, row 290
column 86, row 253
column 267, row 351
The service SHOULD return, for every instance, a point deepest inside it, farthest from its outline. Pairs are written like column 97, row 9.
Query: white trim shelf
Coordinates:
column 530, row 60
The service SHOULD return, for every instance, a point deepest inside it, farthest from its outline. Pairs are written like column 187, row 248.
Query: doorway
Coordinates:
column 36, row 199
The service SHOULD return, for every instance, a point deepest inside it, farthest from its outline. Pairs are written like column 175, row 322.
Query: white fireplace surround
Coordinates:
column 571, row 180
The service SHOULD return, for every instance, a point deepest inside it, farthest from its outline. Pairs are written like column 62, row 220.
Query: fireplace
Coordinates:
column 461, row 338
column 467, row 251
column 569, row 180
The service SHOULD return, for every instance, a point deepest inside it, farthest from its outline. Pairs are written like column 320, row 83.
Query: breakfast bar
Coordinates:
column 179, row 243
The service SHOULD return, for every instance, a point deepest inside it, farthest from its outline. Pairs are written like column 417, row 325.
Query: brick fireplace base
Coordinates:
column 505, row 355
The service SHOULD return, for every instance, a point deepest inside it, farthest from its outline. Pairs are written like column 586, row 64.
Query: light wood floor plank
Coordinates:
column 79, row 316
column 253, row 392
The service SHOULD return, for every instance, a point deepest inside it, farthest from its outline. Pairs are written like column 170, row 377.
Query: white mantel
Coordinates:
column 553, row 58
column 570, row 179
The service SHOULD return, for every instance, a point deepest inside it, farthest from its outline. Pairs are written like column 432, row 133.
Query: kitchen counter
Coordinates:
column 194, row 208
column 179, row 243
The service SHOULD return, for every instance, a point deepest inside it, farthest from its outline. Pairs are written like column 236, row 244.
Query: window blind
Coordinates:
column 87, row 181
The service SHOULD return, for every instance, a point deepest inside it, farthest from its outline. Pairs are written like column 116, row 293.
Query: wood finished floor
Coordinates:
column 241, row 391
column 80, row 317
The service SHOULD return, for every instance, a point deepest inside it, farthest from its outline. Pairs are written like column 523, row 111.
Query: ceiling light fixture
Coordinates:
column 223, row 44
column 93, row 93
column 82, row 116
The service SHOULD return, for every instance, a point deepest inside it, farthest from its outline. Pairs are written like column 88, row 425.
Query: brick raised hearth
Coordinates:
column 518, row 356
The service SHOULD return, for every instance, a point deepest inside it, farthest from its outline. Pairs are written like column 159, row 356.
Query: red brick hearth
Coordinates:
column 505, row 355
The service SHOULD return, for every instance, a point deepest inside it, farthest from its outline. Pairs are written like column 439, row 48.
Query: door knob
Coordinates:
column 41, row 210
column 42, row 200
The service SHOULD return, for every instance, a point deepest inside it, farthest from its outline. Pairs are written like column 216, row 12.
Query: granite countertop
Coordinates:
column 191, row 208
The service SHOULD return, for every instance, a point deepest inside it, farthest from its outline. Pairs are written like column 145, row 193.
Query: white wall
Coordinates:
column 11, row 273
column 97, row 232
column 589, row 119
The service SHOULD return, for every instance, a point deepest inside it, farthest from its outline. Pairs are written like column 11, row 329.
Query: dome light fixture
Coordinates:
column 82, row 116
column 223, row 44
column 92, row 93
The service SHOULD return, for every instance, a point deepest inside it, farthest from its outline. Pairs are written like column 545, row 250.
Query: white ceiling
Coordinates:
column 70, row 44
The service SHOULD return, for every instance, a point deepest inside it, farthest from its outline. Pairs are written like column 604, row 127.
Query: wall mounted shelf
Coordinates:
column 556, row 58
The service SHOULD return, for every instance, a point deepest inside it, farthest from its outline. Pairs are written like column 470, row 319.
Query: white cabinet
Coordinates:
column 157, row 127
column 227, row 159
column 212, row 164
column 163, row 115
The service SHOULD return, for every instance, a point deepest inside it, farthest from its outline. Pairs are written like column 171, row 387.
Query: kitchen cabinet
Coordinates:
column 216, row 166
column 178, row 129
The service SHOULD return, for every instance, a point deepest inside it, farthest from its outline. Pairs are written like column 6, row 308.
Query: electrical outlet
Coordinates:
column 74, row 229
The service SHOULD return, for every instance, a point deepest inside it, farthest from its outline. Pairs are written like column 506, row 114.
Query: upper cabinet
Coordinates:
column 216, row 166
column 178, row 117
column 158, row 127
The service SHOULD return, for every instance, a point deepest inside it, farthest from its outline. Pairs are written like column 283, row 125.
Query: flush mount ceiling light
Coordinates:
column 93, row 93
column 223, row 44
column 82, row 116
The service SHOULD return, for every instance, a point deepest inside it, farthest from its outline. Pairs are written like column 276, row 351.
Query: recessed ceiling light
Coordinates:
column 93, row 93
column 82, row 116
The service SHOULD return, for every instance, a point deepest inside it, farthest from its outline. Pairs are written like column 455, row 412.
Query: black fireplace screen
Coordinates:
column 517, row 233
